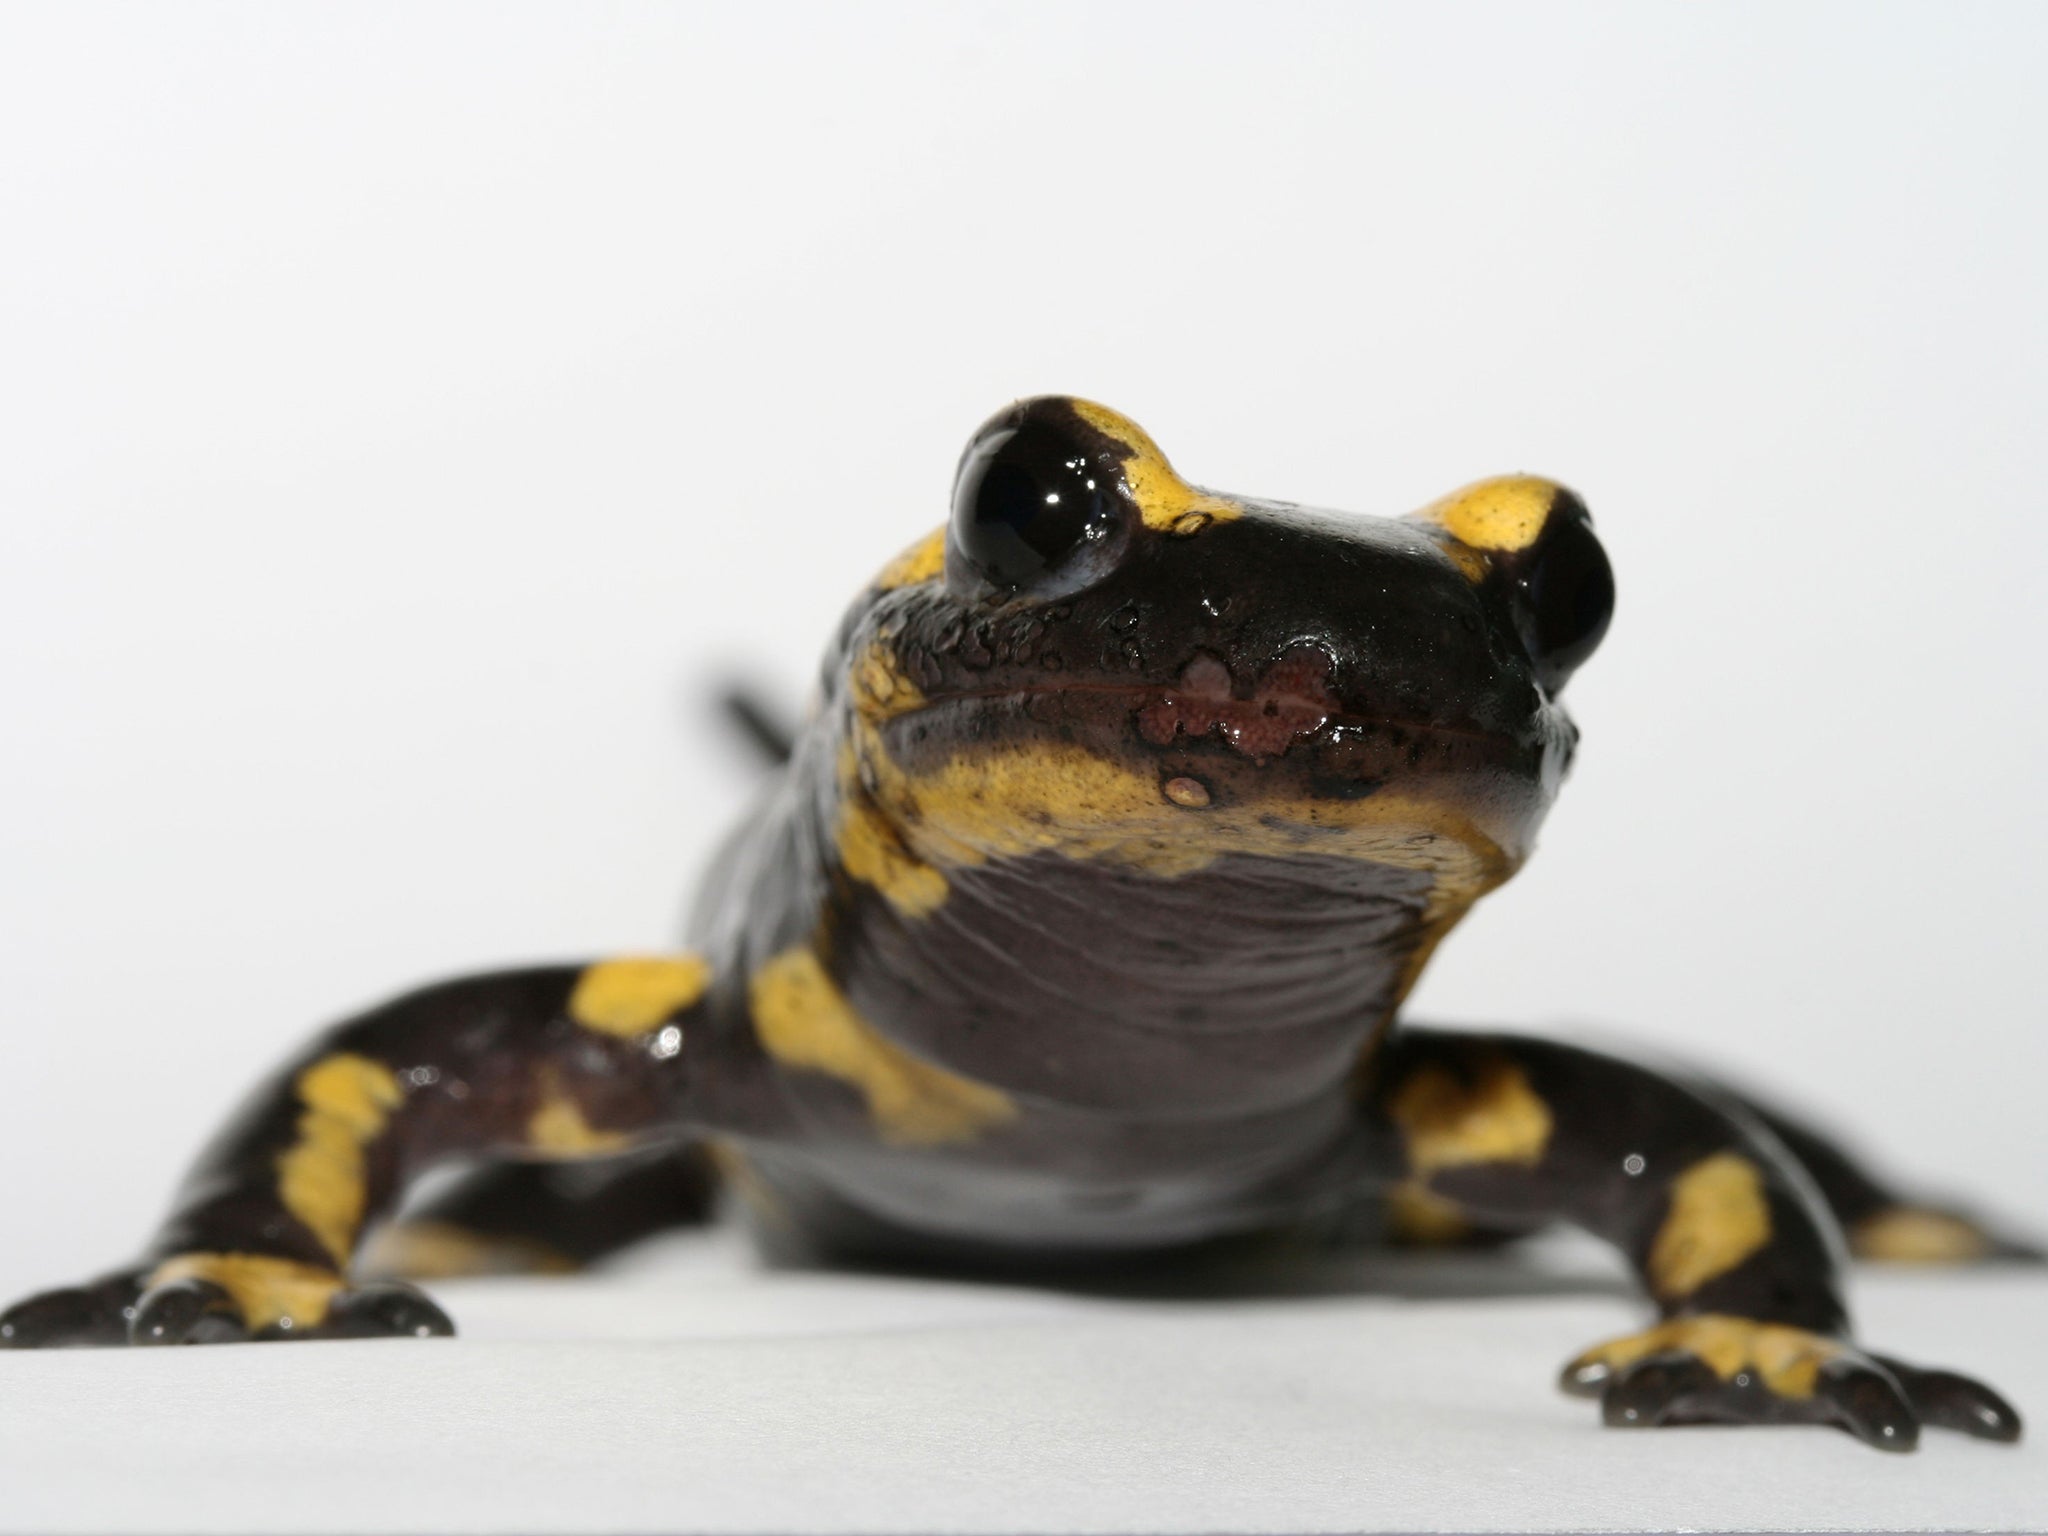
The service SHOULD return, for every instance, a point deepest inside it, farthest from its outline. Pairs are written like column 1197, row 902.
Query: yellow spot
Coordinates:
column 440, row 1250
column 1449, row 1124
column 923, row 561
column 347, row 1099
column 265, row 1290
column 1907, row 1234
column 1418, row 1218
column 558, row 1128
column 878, row 686
column 1164, row 500
column 803, row 1020
column 629, row 997
column 1718, row 1218
column 871, row 852
column 1786, row 1360
column 1506, row 513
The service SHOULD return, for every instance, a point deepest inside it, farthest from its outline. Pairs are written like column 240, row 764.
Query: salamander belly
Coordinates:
column 1055, row 1184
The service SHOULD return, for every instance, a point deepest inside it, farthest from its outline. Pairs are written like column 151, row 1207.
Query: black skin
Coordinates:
column 1075, row 924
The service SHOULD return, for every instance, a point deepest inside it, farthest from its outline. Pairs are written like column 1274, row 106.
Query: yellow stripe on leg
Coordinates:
column 1718, row 1218
column 321, row 1176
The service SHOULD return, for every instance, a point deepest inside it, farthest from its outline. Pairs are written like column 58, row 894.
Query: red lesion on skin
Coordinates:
column 1291, row 699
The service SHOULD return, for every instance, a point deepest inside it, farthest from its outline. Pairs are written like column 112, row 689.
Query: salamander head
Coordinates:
column 1096, row 659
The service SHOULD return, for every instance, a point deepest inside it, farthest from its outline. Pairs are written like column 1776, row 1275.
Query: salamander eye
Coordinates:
column 1534, row 539
column 1035, row 504
column 1563, row 591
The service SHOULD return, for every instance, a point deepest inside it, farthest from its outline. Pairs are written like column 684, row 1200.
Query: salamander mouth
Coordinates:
column 1174, row 773
column 1288, row 705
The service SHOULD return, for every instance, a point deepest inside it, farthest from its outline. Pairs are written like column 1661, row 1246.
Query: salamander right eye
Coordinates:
column 1536, row 538
column 1564, row 592
column 1035, row 503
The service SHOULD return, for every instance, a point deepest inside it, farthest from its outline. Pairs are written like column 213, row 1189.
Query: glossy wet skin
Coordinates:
column 1241, row 675
column 1167, row 806
column 1077, row 923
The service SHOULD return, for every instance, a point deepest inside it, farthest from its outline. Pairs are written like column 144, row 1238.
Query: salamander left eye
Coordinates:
column 1033, row 500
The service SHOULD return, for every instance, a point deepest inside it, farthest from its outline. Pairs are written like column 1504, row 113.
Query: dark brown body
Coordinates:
column 1077, row 923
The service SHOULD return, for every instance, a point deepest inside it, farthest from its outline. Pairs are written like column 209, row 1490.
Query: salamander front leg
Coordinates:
column 559, row 1062
column 1724, row 1230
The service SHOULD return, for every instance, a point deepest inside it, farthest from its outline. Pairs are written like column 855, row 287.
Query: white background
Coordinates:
column 406, row 414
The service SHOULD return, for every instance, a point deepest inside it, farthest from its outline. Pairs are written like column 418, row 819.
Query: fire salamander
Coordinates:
column 1075, row 924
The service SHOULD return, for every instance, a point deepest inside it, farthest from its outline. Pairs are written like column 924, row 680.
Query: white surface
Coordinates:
column 691, row 1394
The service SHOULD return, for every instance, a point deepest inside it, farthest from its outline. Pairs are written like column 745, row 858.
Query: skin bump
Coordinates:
column 1718, row 1218
column 1786, row 1360
column 347, row 1099
column 1447, row 1123
column 629, row 997
column 802, row 1020
column 266, row 1291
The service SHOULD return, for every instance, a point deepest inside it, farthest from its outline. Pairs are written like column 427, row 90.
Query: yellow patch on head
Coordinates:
column 1906, row 1234
column 1447, row 1123
column 923, row 561
column 1166, row 502
column 1785, row 1360
column 558, row 1128
column 1504, row 514
column 320, row 1176
column 630, row 996
column 1718, row 1218
column 803, row 1020
column 265, row 1290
